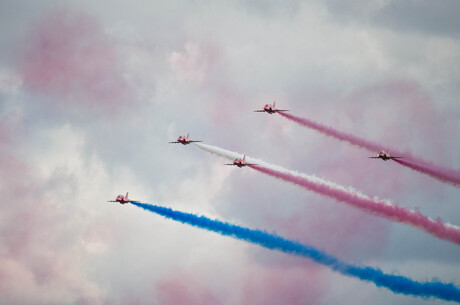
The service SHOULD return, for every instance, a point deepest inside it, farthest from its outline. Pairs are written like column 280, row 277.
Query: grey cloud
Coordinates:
column 420, row 16
column 438, row 18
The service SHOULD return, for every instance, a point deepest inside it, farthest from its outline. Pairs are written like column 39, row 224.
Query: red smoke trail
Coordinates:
column 442, row 174
column 377, row 207
column 329, row 131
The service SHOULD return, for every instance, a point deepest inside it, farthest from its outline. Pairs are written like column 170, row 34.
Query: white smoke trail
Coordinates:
column 311, row 178
column 234, row 155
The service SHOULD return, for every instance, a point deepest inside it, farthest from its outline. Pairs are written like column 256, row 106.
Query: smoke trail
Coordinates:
column 395, row 283
column 377, row 207
column 329, row 131
column 442, row 174
column 382, row 208
column 445, row 175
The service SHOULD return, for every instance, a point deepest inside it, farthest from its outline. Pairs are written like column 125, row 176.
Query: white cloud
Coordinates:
column 10, row 81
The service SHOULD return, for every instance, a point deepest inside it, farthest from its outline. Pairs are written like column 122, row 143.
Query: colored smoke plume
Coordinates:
column 440, row 173
column 379, row 207
column 395, row 283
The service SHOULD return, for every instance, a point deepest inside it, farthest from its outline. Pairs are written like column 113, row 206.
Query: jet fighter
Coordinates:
column 385, row 156
column 271, row 109
column 184, row 140
column 123, row 199
column 240, row 162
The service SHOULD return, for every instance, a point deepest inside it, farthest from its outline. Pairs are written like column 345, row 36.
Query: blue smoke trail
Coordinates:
column 396, row 283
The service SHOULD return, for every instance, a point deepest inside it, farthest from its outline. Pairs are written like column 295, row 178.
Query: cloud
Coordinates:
column 174, row 67
column 39, row 260
column 183, row 288
column 193, row 62
column 71, row 61
column 10, row 82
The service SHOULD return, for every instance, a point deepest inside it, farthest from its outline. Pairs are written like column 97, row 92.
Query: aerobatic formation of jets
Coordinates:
column 436, row 228
column 268, row 108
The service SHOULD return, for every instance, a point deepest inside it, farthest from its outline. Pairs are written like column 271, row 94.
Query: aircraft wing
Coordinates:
column 250, row 164
column 396, row 157
column 132, row 201
column 174, row 142
column 112, row 201
column 231, row 164
column 259, row 110
column 374, row 157
column 281, row 110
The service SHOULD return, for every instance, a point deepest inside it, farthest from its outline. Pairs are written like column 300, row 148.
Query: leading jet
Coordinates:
column 123, row 199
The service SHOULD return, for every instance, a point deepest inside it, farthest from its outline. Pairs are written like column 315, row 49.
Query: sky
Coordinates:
column 91, row 92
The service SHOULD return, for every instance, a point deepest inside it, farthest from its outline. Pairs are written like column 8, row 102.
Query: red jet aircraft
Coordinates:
column 240, row 162
column 385, row 156
column 271, row 109
column 184, row 140
column 122, row 199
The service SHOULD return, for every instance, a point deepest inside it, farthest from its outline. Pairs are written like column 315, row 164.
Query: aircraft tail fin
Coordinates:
column 274, row 106
column 126, row 196
column 188, row 135
column 244, row 157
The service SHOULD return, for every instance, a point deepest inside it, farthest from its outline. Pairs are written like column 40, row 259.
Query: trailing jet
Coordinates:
column 271, row 109
column 385, row 156
column 123, row 199
column 240, row 162
column 184, row 140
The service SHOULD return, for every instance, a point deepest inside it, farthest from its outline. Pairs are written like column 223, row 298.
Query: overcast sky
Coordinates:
column 92, row 91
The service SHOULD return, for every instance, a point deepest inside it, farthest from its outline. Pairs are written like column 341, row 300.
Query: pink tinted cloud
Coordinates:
column 284, row 285
column 41, row 258
column 194, row 62
column 68, row 56
column 201, row 64
column 183, row 288
column 341, row 231
column 4, row 134
column 259, row 284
